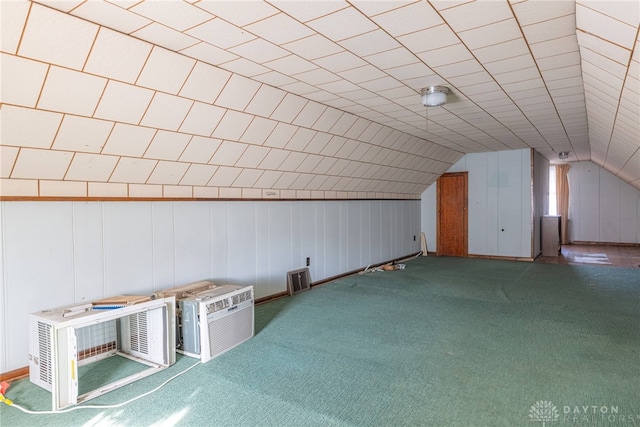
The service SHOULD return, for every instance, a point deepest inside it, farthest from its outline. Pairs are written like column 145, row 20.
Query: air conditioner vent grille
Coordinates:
column 44, row 352
column 229, row 331
column 139, row 332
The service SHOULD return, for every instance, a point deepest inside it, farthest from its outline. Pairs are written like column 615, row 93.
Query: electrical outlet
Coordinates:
column 308, row 261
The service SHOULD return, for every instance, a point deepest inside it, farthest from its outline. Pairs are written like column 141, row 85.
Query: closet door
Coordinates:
column 452, row 199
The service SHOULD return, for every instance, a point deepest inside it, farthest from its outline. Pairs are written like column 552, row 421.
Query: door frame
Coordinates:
column 465, row 216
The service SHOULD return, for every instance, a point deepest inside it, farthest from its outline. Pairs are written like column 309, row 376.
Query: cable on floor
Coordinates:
column 116, row 405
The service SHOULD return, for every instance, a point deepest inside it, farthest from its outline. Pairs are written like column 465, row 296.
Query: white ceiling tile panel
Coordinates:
column 12, row 19
column 343, row 124
column 530, row 13
column 228, row 153
column 22, row 80
column 82, row 134
column 111, row 15
column 499, row 51
column 476, row 14
column 167, row 173
column 299, row 88
column 239, row 13
column 209, row 53
column 497, row 33
column 554, row 47
column 316, row 77
column 91, row 167
column 292, row 162
column 392, row 58
column 598, row 76
column 202, row 119
column 144, row 190
column 313, row 47
column 247, row 178
column 258, row 131
column 198, row 174
column 309, row 114
column 280, row 136
column 259, row 51
column 304, row 11
column 289, row 108
column 291, row 65
column 550, row 30
column 342, row 24
column 605, row 27
column 268, row 179
column 24, row 127
column 252, row 156
column 200, row 149
column 461, row 68
column 232, row 125
column 408, row 19
column 8, row 156
column 41, row 164
column 165, row 71
column 309, row 163
column 237, row 93
column 164, row 36
column 346, row 148
column 166, row 111
column 274, row 78
column 340, row 62
column 372, row 8
column 300, row 139
column 123, row 102
column 369, row 43
column 559, row 61
column 224, row 176
column 429, row 39
column 446, row 55
column 603, row 47
column 130, row 170
column 47, row 30
column 279, row 29
column 62, row 188
column 204, row 83
column 605, row 64
column 167, row 145
column 220, row 33
column 273, row 159
column 265, row 101
column 318, row 142
column 286, row 180
column 332, row 146
column 71, row 91
column 362, row 74
column 128, row 140
column 177, row 15
column 117, row 56
column 511, row 64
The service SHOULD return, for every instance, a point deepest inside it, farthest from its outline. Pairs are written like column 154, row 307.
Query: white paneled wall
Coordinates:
column 500, row 212
column 60, row 253
column 540, row 198
column 602, row 207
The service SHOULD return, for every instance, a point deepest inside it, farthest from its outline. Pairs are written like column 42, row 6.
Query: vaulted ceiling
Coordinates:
column 306, row 99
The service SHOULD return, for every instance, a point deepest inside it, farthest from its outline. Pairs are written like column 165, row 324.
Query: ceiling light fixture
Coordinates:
column 563, row 155
column 434, row 96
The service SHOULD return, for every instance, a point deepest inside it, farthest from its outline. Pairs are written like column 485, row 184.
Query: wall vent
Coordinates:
column 298, row 280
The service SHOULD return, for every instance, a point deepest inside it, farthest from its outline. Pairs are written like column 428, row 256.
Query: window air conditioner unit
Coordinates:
column 64, row 339
column 215, row 320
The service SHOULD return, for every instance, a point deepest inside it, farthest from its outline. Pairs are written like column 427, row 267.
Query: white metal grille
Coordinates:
column 139, row 332
column 44, row 352
column 229, row 331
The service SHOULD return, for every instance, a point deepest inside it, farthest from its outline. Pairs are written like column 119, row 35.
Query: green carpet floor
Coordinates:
column 444, row 342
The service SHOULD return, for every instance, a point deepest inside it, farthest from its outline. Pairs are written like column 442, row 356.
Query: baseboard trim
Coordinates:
column 626, row 245
column 503, row 258
column 16, row 374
